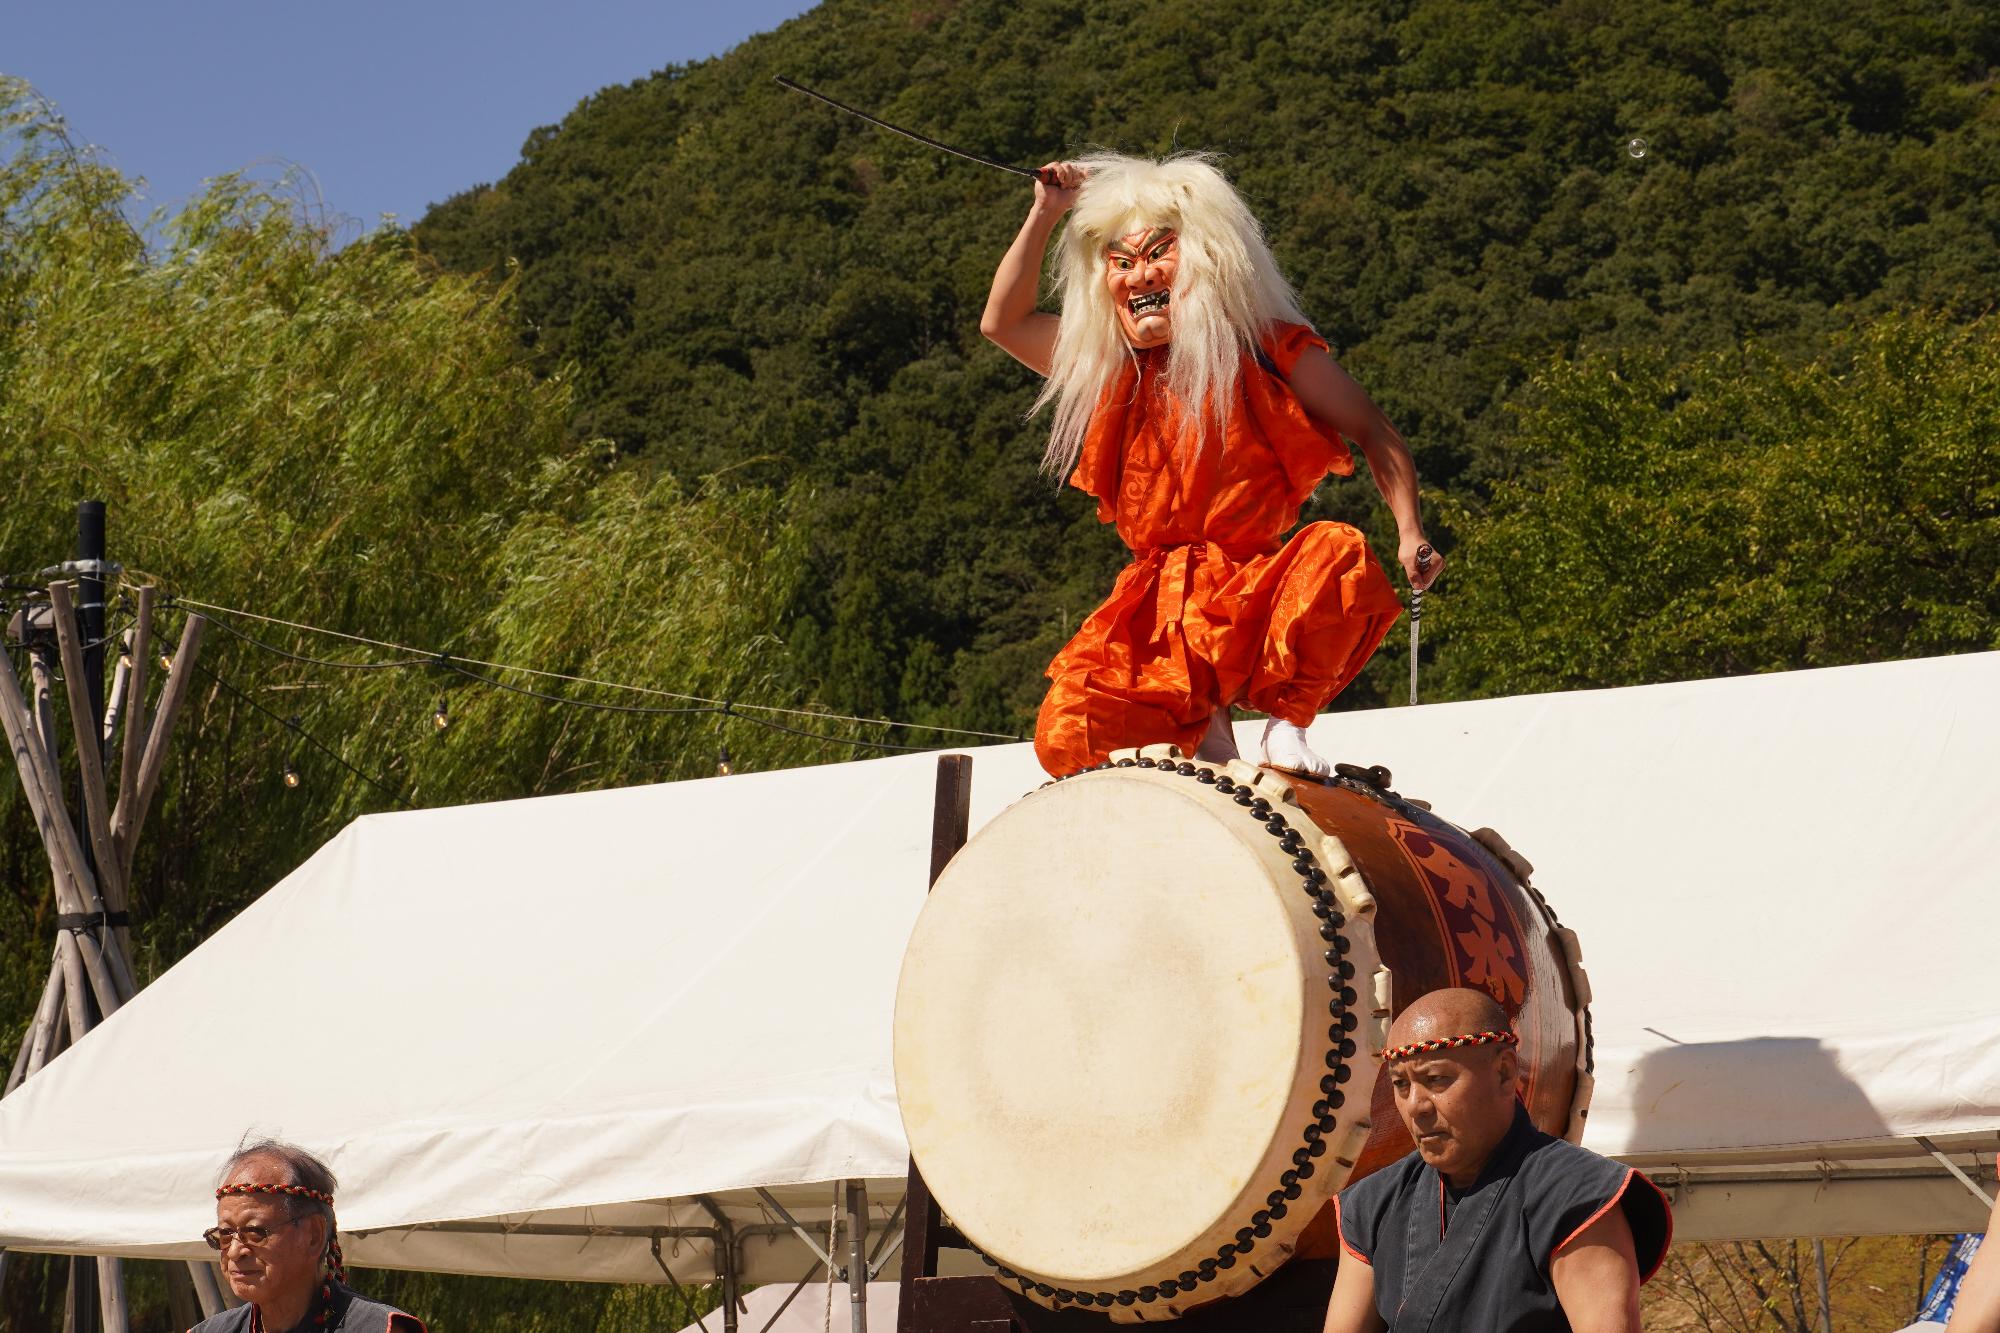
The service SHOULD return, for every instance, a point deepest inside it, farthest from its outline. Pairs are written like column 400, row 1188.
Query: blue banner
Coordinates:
column 1944, row 1289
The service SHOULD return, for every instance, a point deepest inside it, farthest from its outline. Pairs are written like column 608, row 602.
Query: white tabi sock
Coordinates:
column 1285, row 747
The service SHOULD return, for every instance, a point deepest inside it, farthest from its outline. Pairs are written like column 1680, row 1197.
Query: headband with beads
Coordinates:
column 1436, row 1044
column 299, row 1191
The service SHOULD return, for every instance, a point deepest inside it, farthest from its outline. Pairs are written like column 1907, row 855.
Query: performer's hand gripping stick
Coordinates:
column 1424, row 554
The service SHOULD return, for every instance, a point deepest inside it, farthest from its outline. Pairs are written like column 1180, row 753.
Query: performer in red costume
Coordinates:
column 1195, row 402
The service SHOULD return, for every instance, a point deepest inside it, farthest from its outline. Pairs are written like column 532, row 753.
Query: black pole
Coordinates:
column 89, row 1317
column 90, row 605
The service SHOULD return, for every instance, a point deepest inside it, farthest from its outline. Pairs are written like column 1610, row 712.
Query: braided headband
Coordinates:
column 299, row 1191
column 1436, row 1044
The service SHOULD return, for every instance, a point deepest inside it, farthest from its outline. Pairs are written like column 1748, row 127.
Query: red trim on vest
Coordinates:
column 1631, row 1173
column 1340, row 1227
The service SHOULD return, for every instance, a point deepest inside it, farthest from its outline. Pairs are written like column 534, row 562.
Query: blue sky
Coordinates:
column 390, row 106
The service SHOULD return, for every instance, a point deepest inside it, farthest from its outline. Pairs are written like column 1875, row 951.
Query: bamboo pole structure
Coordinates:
column 74, row 986
column 41, row 1032
column 90, row 853
column 135, row 724
column 89, row 752
column 42, row 785
column 20, row 1069
column 108, row 865
column 180, row 679
column 43, row 698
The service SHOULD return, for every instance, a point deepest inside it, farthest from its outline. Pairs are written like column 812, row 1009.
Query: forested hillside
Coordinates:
column 1462, row 192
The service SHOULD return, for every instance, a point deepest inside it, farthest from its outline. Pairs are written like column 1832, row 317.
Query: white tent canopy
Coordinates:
column 573, row 1036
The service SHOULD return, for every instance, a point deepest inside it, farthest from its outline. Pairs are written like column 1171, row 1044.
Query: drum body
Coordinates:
column 1139, row 1025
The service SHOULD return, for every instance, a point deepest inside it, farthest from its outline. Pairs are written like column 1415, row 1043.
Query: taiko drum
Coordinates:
column 1139, row 1025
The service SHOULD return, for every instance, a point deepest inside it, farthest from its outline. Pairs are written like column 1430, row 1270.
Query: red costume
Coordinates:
column 1216, row 607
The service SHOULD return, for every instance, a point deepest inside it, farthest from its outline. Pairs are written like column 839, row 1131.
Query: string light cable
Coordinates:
column 446, row 662
column 411, row 657
column 292, row 725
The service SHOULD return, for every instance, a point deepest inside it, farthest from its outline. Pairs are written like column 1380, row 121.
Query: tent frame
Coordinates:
column 727, row 1238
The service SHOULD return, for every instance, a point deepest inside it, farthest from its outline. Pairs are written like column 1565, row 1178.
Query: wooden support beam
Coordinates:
column 207, row 1288
column 75, row 986
column 111, row 1295
column 20, row 1069
column 114, row 703
column 47, row 1041
column 116, row 959
column 127, row 822
column 89, row 752
column 42, row 785
column 183, row 1306
column 103, row 982
column 924, row 1230
column 132, row 757
column 41, row 1032
column 135, row 725
column 45, row 712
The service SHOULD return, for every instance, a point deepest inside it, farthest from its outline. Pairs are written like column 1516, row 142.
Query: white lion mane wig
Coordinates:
column 1226, row 292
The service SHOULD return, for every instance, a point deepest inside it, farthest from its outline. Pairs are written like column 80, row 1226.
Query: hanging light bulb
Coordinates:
column 442, row 718
column 166, row 663
column 291, row 774
column 722, row 769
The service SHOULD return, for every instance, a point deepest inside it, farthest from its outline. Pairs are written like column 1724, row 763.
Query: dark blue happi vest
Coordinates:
column 1489, row 1270
column 351, row 1314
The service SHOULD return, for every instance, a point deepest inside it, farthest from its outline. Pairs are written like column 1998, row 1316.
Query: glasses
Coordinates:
column 253, row 1237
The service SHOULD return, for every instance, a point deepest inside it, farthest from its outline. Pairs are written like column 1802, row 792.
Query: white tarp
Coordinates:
column 529, row 1034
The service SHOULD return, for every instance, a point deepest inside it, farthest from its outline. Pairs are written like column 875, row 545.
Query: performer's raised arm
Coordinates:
column 1330, row 395
column 1011, row 320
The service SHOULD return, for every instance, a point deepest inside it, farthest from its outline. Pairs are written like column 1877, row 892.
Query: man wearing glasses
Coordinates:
column 280, row 1250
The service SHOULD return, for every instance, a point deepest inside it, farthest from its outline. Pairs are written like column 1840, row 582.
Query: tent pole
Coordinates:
column 725, row 1255
column 1955, row 1169
column 857, row 1255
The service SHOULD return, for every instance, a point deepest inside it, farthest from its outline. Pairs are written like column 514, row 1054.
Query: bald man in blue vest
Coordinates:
column 1490, row 1224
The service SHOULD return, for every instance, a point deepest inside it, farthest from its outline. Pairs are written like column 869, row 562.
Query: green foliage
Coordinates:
column 1737, row 515
column 738, row 273
column 517, row 1305
column 351, row 440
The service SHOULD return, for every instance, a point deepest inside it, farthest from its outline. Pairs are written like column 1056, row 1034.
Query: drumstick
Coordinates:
column 1424, row 554
column 923, row 139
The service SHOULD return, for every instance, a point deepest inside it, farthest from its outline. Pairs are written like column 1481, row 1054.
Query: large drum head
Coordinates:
column 1111, row 1028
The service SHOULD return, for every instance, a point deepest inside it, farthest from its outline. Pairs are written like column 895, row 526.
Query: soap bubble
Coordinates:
column 1637, row 147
